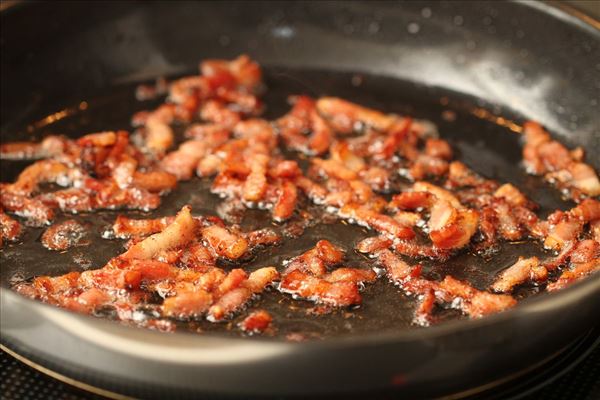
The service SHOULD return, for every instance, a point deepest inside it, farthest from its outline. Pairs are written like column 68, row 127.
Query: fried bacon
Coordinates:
column 62, row 236
column 523, row 270
column 10, row 229
column 544, row 156
column 450, row 291
column 346, row 117
column 353, row 158
column 257, row 322
column 306, row 276
column 180, row 232
column 224, row 243
column 304, row 119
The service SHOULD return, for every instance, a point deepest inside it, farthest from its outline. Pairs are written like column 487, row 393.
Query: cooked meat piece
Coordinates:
column 64, row 235
column 257, row 322
column 523, row 270
column 224, row 243
column 346, row 117
column 321, row 291
column 544, row 156
column 180, row 232
column 10, row 229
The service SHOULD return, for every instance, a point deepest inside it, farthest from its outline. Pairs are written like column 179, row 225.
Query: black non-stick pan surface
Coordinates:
column 72, row 68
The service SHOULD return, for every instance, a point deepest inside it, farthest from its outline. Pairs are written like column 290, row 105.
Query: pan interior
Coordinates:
column 484, row 143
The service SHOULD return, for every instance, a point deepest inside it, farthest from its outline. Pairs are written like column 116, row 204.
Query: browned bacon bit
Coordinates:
column 62, row 236
column 241, row 293
column 263, row 237
column 180, row 232
column 285, row 205
column 33, row 210
column 450, row 291
column 376, row 221
column 585, row 259
column 423, row 314
column 523, row 270
column 125, row 227
column 257, row 322
column 10, row 229
column 351, row 275
column 544, row 156
column 373, row 245
column 565, row 227
column 224, row 243
column 579, row 271
column 307, row 286
column 346, row 117
column 304, row 119
column 306, row 277
column 474, row 302
column 317, row 259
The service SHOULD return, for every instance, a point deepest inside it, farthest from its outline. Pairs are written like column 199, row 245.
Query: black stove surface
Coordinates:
column 573, row 375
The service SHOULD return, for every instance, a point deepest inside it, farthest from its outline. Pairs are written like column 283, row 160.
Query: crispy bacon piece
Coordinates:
column 460, row 176
column 346, row 117
column 317, row 259
column 256, row 182
column 10, row 229
column 305, row 285
column 44, row 171
column 373, row 245
column 351, row 275
column 263, row 237
column 376, row 221
column 257, row 322
column 423, row 314
column 125, row 227
column 471, row 301
column 523, row 270
column 285, row 205
column 64, row 235
column 306, row 276
column 224, row 243
column 304, row 119
column 180, row 232
column 512, row 195
column 585, row 260
column 579, row 271
column 242, row 71
column 474, row 302
column 237, row 297
column 544, row 156
column 34, row 210
column 187, row 304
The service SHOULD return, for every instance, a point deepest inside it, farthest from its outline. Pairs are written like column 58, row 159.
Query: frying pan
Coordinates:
column 69, row 68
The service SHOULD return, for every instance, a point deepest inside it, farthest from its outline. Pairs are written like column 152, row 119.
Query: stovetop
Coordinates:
column 573, row 375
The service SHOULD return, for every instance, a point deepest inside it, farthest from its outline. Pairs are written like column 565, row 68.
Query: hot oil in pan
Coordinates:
column 492, row 150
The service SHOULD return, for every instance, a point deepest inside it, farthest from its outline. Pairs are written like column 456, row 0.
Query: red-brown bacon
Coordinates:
column 306, row 276
column 564, row 168
column 62, row 236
